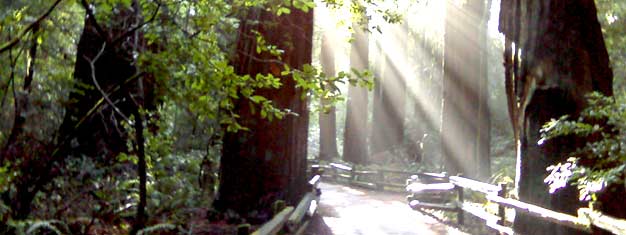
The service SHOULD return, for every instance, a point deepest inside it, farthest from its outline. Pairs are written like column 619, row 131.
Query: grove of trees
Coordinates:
column 119, row 115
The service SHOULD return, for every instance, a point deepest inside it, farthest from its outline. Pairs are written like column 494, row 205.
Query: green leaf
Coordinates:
column 283, row 10
column 257, row 99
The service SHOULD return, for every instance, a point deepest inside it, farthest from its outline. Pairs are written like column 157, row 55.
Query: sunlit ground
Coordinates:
column 353, row 211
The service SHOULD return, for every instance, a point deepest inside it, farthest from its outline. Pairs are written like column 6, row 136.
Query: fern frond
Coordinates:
column 156, row 227
column 47, row 224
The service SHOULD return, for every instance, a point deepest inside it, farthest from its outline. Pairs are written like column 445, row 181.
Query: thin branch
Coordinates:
column 261, row 60
column 95, row 82
column 28, row 28
column 11, row 75
column 21, row 102
column 101, row 100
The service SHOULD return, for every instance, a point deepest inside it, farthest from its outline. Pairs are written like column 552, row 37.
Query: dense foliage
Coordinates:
column 183, row 51
column 602, row 161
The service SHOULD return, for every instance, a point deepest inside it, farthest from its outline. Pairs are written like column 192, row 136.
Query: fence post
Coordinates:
column 381, row 180
column 459, row 190
column 352, row 174
column 501, row 208
column 315, row 170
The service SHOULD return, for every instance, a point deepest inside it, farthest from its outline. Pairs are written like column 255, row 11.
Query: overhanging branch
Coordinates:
column 28, row 28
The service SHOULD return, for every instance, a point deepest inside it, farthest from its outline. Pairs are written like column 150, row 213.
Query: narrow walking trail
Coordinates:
column 355, row 211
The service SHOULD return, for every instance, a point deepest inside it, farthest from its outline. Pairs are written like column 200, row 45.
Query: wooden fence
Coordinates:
column 291, row 220
column 443, row 192
column 380, row 179
column 497, row 194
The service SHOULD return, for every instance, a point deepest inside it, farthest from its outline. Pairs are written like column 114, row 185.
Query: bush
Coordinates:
column 602, row 160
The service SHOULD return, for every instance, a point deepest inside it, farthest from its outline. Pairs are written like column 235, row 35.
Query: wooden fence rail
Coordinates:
column 344, row 173
column 292, row 220
column 497, row 194
column 608, row 223
column 438, row 186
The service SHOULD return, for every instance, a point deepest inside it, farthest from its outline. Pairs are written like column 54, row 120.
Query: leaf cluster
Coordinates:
column 601, row 162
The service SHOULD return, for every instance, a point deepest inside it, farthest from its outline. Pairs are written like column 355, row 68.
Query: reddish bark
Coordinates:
column 564, row 58
column 269, row 161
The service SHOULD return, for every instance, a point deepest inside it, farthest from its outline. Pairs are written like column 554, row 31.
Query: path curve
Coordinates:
column 346, row 210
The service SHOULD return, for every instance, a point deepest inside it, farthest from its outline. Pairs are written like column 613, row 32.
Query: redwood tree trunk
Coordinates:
column 268, row 162
column 564, row 58
column 483, row 137
column 328, row 120
column 390, row 92
column 462, row 137
column 355, row 134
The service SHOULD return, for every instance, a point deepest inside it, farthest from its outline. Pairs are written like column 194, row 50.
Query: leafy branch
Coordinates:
column 602, row 161
column 28, row 28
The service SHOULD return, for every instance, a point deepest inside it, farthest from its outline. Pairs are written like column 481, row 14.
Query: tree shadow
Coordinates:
column 317, row 226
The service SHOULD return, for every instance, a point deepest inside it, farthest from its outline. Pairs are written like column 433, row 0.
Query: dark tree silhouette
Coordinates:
column 563, row 57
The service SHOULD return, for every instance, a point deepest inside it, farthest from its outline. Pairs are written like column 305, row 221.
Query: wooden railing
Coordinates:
column 440, row 186
column 292, row 220
column 374, row 179
column 497, row 194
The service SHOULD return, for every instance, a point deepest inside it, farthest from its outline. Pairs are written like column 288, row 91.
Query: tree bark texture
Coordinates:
column 355, row 134
column 463, row 141
column 390, row 92
column 328, row 120
column 555, row 54
column 268, row 162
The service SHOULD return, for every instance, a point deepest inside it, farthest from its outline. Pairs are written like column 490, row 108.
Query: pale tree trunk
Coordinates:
column 355, row 134
column 268, row 162
column 463, row 142
column 483, row 137
column 563, row 57
column 328, row 119
column 390, row 91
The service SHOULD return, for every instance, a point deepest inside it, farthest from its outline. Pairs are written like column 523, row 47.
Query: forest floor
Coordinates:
column 354, row 211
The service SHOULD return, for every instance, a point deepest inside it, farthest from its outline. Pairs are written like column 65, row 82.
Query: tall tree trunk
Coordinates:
column 424, row 61
column 483, row 137
column 390, row 92
column 268, row 162
column 355, row 134
column 13, row 147
column 19, row 146
column 564, row 58
column 140, row 217
column 461, row 134
column 328, row 119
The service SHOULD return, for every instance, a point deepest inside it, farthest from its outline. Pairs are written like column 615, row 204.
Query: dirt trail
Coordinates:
column 346, row 210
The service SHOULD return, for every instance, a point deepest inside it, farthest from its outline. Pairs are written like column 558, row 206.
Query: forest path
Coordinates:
column 357, row 211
